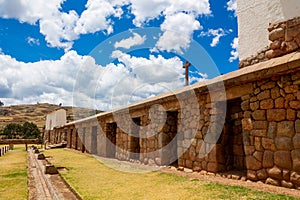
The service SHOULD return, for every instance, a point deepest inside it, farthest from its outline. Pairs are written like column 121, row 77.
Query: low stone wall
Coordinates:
column 284, row 38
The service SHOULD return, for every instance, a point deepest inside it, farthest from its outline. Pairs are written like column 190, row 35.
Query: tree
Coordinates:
column 12, row 131
column 1, row 103
column 30, row 131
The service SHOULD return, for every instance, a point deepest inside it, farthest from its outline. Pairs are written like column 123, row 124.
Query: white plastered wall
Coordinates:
column 57, row 118
column 254, row 17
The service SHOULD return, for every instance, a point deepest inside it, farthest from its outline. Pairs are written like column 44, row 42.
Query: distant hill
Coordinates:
column 37, row 113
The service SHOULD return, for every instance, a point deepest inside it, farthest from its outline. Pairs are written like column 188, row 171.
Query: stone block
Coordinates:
column 258, row 155
column 276, row 34
column 264, row 95
column 50, row 169
column 258, row 144
column 276, row 114
column 187, row 170
column 189, row 164
column 290, row 114
column 268, row 144
column 254, row 105
column 197, row 167
column 247, row 124
column 287, row 184
column 286, row 128
column 296, row 160
column 283, row 143
column 259, row 115
column 262, row 174
column 212, row 167
column 291, row 89
column 260, row 125
column 268, row 159
column 245, row 105
column 267, row 104
column 41, row 156
column 249, row 150
column 258, row 133
column 275, row 45
column 275, row 173
column 252, row 163
column 295, row 105
column 283, row 159
column 268, row 85
column 275, row 93
column 271, row 181
column 252, row 175
column 279, row 102
column 295, row 178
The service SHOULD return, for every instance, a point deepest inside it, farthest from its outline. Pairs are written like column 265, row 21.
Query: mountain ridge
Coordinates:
column 37, row 113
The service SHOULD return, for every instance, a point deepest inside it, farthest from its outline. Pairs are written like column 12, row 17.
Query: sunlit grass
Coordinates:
column 94, row 180
column 13, row 174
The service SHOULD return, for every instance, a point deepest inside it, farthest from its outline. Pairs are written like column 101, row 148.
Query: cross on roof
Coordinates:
column 186, row 66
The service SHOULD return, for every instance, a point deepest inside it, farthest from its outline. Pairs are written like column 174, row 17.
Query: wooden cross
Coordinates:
column 186, row 66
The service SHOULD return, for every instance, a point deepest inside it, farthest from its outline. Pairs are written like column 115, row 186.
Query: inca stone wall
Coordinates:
column 271, row 130
column 259, row 129
column 284, row 38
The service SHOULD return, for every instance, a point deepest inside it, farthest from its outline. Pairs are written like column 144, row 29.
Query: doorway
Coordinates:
column 233, row 137
column 94, row 140
column 169, row 140
column 111, row 132
column 83, row 140
column 134, row 147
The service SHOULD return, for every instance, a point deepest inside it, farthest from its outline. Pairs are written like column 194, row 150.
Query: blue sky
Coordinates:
column 107, row 53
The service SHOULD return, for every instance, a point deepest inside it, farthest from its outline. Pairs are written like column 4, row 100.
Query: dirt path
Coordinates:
column 226, row 181
column 43, row 186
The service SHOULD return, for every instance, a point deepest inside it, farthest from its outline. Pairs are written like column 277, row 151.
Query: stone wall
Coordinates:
column 271, row 131
column 260, row 136
column 284, row 38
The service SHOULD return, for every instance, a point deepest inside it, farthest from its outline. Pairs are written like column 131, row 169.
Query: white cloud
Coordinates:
column 180, row 20
column 217, row 34
column 34, row 82
column 231, row 6
column 62, row 28
column 145, row 11
column 135, row 40
column 56, row 26
column 29, row 11
column 195, row 7
column 177, row 32
column 33, row 41
column 235, row 50
column 96, row 86
column 95, row 17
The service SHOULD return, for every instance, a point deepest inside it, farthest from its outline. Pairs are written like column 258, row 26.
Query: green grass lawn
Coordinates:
column 94, row 180
column 13, row 174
